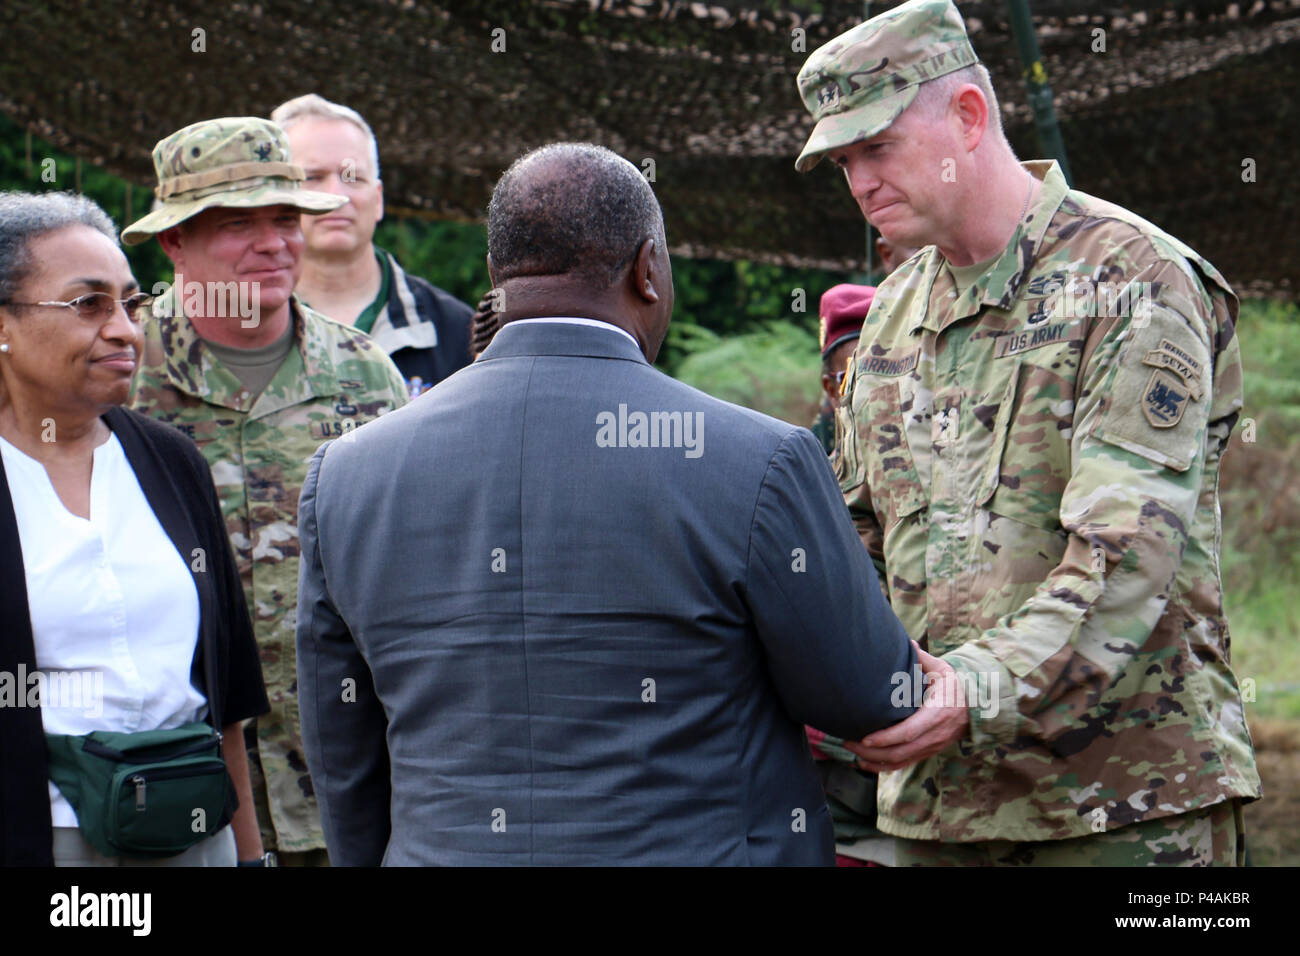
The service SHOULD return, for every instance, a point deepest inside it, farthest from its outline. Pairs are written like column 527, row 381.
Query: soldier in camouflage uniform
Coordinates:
column 835, row 358
column 1030, row 442
column 256, row 436
column 841, row 311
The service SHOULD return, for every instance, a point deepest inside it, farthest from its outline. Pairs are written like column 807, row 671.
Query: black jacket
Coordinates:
column 178, row 486
column 424, row 330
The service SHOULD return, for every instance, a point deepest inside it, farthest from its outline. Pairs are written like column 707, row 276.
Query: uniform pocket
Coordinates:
column 1027, row 467
column 1020, row 536
column 889, row 466
column 847, row 461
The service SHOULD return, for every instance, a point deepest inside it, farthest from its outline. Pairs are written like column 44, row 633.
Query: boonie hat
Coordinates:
column 238, row 161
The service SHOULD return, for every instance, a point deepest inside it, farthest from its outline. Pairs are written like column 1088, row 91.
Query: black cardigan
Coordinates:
column 178, row 486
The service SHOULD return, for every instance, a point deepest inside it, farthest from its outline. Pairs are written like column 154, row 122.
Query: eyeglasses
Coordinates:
column 839, row 378
column 98, row 306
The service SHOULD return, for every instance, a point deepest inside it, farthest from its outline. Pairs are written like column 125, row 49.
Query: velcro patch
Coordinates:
column 1171, row 358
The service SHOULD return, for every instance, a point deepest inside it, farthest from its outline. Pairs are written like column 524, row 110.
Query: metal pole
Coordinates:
column 1040, row 92
column 871, row 265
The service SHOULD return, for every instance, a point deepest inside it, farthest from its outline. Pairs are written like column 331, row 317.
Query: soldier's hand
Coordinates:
column 941, row 721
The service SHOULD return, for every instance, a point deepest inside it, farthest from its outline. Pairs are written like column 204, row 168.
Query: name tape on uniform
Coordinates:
column 884, row 365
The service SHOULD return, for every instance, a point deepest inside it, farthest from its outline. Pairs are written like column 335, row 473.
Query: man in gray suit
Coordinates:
column 563, row 609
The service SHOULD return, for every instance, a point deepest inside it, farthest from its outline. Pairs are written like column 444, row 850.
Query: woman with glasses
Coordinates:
column 121, row 610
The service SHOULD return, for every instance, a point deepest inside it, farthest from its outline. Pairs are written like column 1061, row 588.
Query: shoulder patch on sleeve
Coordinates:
column 1157, row 400
column 1164, row 400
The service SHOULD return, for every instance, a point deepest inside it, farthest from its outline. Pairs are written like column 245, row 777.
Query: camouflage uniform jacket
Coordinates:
column 823, row 426
column 1038, row 476
column 258, row 449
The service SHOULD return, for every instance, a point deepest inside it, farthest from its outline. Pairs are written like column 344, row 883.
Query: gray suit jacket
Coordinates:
column 535, row 627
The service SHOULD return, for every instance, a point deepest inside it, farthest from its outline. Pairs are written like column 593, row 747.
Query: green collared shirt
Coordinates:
column 366, row 320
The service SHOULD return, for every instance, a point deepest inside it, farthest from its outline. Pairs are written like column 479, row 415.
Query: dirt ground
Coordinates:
column 1273, row 823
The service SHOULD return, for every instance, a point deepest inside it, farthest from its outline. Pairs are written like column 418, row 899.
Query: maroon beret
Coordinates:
column 843, row 310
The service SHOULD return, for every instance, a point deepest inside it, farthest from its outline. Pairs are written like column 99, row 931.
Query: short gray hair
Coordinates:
column 933, row 96
column 28, row 216
column 292, row 112
column 573, row 209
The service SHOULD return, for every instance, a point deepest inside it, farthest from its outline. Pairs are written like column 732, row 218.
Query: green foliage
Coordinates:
column 451, row 255
column 1261, row 478
column 1260, row 491
column 731, row 298
column 148, row 262
column 1271, row 357
column 775, row 370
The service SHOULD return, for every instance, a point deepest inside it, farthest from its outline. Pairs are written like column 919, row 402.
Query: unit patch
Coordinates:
column 1171, row 358
column 1164, row 399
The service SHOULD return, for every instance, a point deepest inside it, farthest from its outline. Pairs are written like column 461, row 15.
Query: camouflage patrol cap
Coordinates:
column 239, row 161
column 860, row 82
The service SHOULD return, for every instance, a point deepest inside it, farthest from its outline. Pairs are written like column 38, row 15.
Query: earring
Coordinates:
column 4, row 346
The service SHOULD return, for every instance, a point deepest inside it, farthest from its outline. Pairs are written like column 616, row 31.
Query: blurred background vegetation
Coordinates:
column 747, row 332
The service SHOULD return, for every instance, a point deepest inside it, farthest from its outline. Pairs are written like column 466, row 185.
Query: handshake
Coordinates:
column 942, row 719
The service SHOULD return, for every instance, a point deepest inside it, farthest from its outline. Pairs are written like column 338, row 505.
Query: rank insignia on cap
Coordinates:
column 263, row 152
column 1165, row 399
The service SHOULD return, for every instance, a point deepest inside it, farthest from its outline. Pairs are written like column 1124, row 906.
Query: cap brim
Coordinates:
column 841, row 129
column 840, row 340
column 174, row 213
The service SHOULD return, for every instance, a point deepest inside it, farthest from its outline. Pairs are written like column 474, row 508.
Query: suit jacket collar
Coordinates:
column 514, row 340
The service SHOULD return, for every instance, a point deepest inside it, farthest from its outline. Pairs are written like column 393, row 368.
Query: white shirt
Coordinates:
column 574, row 320
column 114, row 608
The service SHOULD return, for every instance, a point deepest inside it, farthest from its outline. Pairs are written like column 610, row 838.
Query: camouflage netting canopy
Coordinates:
column 1164, row 121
